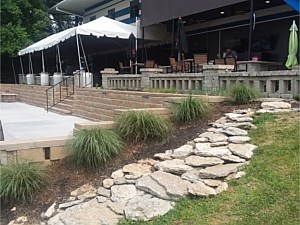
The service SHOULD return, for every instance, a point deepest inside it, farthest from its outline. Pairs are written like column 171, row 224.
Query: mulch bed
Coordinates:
column 63, row 179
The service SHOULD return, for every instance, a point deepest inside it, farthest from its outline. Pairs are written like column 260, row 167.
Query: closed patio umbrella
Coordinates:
column 131, row 48
column 293, row 47
column 181, row 40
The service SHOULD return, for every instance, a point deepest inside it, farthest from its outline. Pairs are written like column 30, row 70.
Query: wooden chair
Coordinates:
column 219, row 61
column 125, row 69
column 231, row 61
column 175, row 66
column 200, row 59
column 149, row 63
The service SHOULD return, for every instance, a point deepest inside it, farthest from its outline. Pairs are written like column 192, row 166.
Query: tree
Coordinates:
column 22, row 23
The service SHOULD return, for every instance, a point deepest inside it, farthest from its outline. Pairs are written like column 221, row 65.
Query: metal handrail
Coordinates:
column 69, row 93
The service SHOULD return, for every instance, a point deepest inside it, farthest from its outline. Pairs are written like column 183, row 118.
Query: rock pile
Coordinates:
column 150, row 187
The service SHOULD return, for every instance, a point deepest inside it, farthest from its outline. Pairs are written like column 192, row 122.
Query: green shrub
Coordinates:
column 242, row 94
column 20, row 179
column 140, row 126
column 93, row 147
column 190, row 109
column 296, row 97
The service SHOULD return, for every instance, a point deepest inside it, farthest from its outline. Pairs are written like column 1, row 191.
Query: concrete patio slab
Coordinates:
column 22, row 121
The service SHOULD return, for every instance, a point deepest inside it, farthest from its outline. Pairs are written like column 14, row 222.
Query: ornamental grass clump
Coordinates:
column 242, row 94
column 190, row 109
column 135, row 126
column 20, row 179
column 93, row 147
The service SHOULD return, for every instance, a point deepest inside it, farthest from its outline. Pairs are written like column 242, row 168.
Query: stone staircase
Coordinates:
column 97, row 104
column 64, row 107
column 104, row 105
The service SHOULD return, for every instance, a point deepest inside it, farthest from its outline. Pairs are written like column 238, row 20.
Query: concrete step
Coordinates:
column 99, row 105
column 122, row 102
column 105, row 112
column 94, row 116
column 60, row 111
column 62, row 105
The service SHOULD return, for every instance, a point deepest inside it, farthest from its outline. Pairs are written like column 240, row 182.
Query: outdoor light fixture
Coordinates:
column 267, row 2
column 222, row 12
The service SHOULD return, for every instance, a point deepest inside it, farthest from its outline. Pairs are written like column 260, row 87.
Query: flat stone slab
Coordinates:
column 117, row 174
column 212, row 182
column 212, row 151
column 232, row 158
column 239, row 139
column 87, row 213
column 148, row 184
column 162, row 156
column 174, row 185
column 103, row 192
column 70, row 204
column 214, row 137
column 146, row 208
column 200, row 189
column 242, row 150
column 137, row 169
column 221, row 188
column 219, row 170
column 198, row 161
column 182, row 152
column 175, row 166
column 122, row 193
column 192, row 175
column 107, row 183
column 234, row 131
column 275, row 105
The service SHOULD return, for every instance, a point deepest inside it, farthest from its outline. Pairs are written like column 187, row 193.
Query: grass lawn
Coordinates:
column 267, row 195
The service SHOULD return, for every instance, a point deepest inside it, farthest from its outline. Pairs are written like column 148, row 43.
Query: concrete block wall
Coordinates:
column 35, row 150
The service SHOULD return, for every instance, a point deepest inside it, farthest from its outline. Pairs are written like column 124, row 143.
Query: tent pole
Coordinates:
column 22, row 69
column 136, row 44
column 30, row 65
column 84, row 56
column 143, row 43
column 173, row 43
column 220, row 33
column 60, row 68
column 43, row 62
column 78, row 51
column 13, row 67
column 250, row 30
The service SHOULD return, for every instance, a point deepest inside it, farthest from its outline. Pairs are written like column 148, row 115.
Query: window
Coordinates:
column 134, row 8
column 92, row 18
column 111, row 13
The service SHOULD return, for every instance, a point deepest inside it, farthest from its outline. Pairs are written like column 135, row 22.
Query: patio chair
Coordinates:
column 219, row 61
column 149, row 63
column 200, row 59
column 175, row 66
column 231, row 61
column 125, row 69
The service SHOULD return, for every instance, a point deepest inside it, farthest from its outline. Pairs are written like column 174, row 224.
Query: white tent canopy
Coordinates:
column 100, row 27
